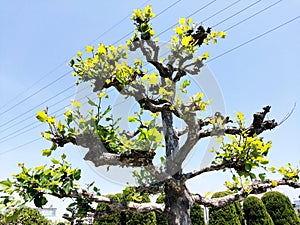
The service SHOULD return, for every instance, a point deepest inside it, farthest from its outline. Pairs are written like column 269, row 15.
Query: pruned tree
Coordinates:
column 256, row 212
column 159, row 96
column 280, row 208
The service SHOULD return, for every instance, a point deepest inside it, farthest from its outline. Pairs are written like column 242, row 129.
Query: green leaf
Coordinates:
column 92, row 103
column 77, row 174
column 252, row 175
column 63, row 156
column 132, row 119
column 95, row 189
column 248, row 167
column 67, row 187
column 6, row 184
column 153, row 79
column 40, row 200
column 54, row 146
column 136, row 173
column 14, row 216
column 46, row 152
column 262, row 176
column 55, row 161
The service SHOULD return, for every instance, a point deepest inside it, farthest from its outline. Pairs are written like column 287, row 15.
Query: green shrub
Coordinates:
column 122, row 218
column 197, row 215
column 280, row 208
column 255, row 212
column 160, row 217
column 226, row 215
column 24, row 216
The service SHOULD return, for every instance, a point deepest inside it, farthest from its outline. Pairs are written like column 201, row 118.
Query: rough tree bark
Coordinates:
column 178, row 200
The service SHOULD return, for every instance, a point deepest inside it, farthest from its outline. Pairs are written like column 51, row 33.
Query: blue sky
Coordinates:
column 39, row 37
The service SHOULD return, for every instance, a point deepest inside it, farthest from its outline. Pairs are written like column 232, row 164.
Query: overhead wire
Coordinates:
column 198, row 10
column 29, row 128
column 253, row 39
column 253, row 15
column 235, row 14
column 35, row 93
column 40, row 104
column 20, row 146
column 117, row 24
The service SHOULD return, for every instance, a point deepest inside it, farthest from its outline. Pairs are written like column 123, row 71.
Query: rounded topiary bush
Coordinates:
column 255, row 212
column 280, row 208
column 227, row 215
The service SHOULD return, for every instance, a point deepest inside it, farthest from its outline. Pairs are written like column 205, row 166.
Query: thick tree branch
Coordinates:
column 210, row 168
column 165, row 71
column 158, row 106
column 153, row 188
column 258, row 126
column 257, row 187
column 181, row 131
column 132, row 158
column 117, row 206
column 101, row 155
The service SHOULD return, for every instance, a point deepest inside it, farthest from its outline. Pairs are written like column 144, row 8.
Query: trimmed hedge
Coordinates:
column 228, row 215
column 255, row 212
column 280, row 208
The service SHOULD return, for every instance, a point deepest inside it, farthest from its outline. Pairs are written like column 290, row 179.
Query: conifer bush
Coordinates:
column 226, row 215
column 280, row 208
column 255, row 212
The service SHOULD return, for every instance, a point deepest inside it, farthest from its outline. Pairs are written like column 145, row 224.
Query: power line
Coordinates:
column 70, row 87
column 26, row 129
column 220, row 11
column 35, row 93
column 249, row 6
column 16, row 133
column 20, row 146
column 30, row 87
column 253, row 15
column 26, row 112
column 198, row 10
column 253, row 39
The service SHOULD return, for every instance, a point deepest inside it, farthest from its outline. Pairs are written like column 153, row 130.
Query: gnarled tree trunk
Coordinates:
column 178, row 204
